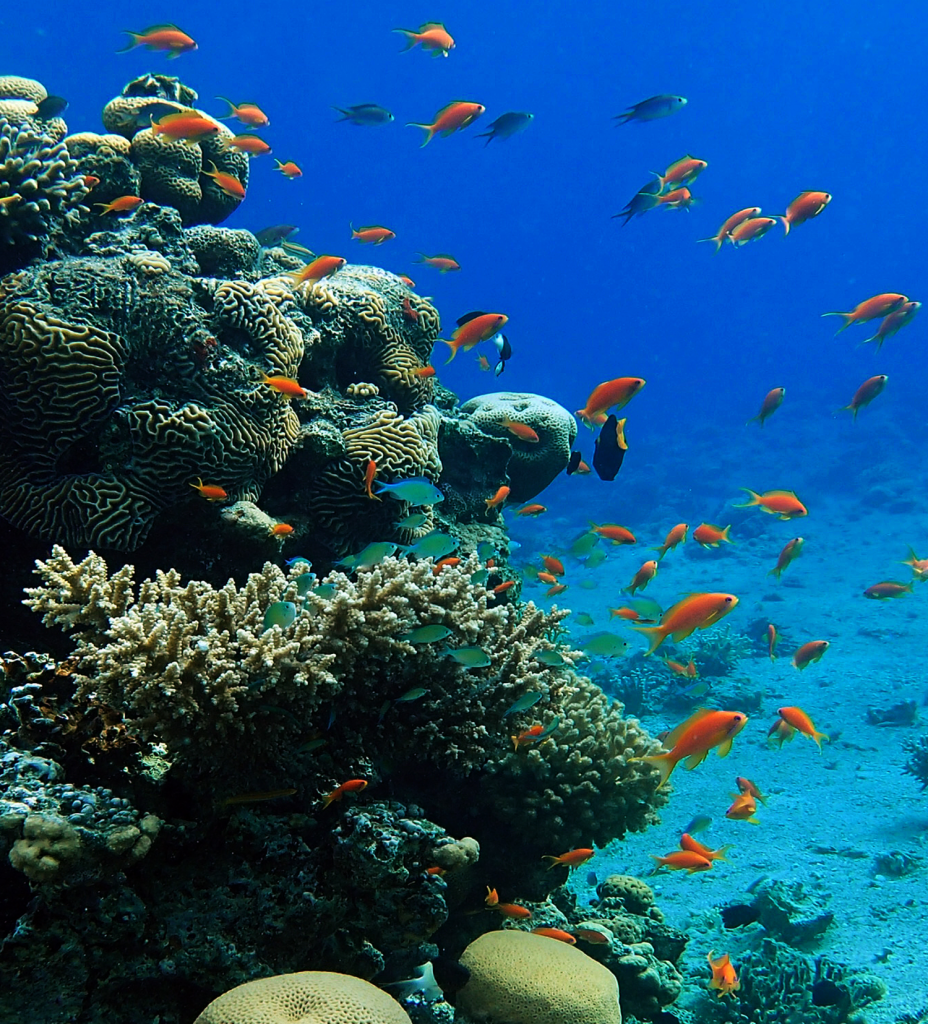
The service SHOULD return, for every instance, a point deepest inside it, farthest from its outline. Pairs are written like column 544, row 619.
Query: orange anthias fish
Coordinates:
column 474, row 330
column 724, row 977
column 167, row 38
column 532, row 510
column 424, row 371
column 692, row 740
column 791, row 551
column 285, row 386
column 746, row 786
column 682, row 172
column 442, row 262
column 801, row 722
column 804, row 207
column 880, row 305
column 289, row 169
column 121, row 205
column 611, row 393
column 676, row 536
column 682, row 860
column 514, row 910
column 773, row 638
column 91, row 181
column 483, row 362
column 679, row 199
column 228, row 183
column 501, row 495
column 783, row 504
column 430, row 36
column 772, row 401
column 556, row 933
column 410, row 313
column 642, row 577
column 782, row 731
column 520, row 430
column 449, row 119
column 698, row 611
column 750, row 230
column 212, row 492
column 370, row 472
column 571, row 859
column 865, row 394
column 375, row 234
column 554, row 565
column 501, row 588
column 711, row 536
column 918, row 565
column 252, row 145
column 724, row 233
column 687, row 842
column 187, row 126
column 558, row 588
column 530, row 735
column 888, row 589
column 612, row 531
column 893, row 323
column 321, row 266
column 351, row 786
column 743, row 809
column 814, row 650
column 547, row 577
column 281, row 530
column 248, row 113
column 688, row 670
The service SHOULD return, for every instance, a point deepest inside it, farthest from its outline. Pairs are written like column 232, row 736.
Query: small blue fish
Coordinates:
column 417, row 490
column 485, row 550
column 414, row 521
column 588, row 584
column 426, row 634
column 414, row 694
column 550, row 658
column 585, row 619
column 697, row 689
column 434, row 545
column 480, row 577
column 506, row 125
column 370, row 556
column 549, row 728
column 310, row 745
column 384, row 708
column 651, row 109
column 304, row 583
column 604, row 645
column 469, row 657
column 699, row 824
column 364, row 114
column 326, row 591
column 299, row 560
column 591, row 878
column 639, row 204
column 281, row 614
column 595, row 558
column 526, row 701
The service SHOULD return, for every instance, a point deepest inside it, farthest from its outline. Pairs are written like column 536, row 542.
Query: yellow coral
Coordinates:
column 48, row 844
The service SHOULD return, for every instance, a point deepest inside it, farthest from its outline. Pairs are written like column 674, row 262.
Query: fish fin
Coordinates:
column 718, row 245
column 453, row 345
column 655, row 636
column 785, row 224
column 848, row 319
column 427, row 128
column 755, row 498
column 695, row 759
column 670, row 740
column 664, row 763
column 725, row 748
column 410, row 38
column 682, row 634
column 135, row 39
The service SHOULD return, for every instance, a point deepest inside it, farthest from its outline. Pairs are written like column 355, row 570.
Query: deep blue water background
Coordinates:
column 782, row 97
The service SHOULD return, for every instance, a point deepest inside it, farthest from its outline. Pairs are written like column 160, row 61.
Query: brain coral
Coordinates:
column 520, row 978
column 19, row 104
column 308, row 997
column 114, row 402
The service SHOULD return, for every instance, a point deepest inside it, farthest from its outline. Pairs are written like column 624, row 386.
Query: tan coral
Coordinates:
column 307, row 997
column 149, row 262
column 48, row 847
column 362, row 390
column 19, row 104
column 520, row 978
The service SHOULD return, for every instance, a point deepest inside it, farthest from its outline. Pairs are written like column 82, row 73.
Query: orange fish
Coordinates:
column 91, row 181
column 436, row 870
column 781, row 731
column 212, row 492
column 474, row 330
column 710, row 536
column 814, row 650
column 887, row 589
column 558, row 588
column 801, row 722
column 483, row 362
column 743, row 809
column 611, row 393
column 285, row 386
column 571, row 859
column 321, row 266
column 375, row 233
column 351, row 786
column 773, row 638
column 514, row 910
column 445, row 563
column 692, row 740
column 520, row 430
column 681, row 172
column 750, row 230
column 804, row 207
column 893, row 323
column 228, row 183
column 582, row 468
column 531, row 510
column 682, row 860
column 281, row 530
column 501, row 495
column 697, row 611
column 790, row 553
column 724, row 977
column 783, row 504
column 772, row 401
column 167, row 38
column 724, row 232
column 370, row 472
column 248, row 113
column 253, row 145
column 688, row 670
column 449, row 119
column 121, row 205
column 547, row 577
column 643, row 577
column 877, row 306
column 865, row 394
column 687, row 842
column 611, row 531
column 424, row 371
column 918, row 565
column 492, row 897
column 556, row 933
column 408, row 281
column 629, row 614
column 678, row 199
column 676, row 536
column 289, row 169
column 501, row 588
column 553, row 565
column 442, row 262
column 187, row 126
column 530, row 735
column 593, row 935
column 746, row 786
column 430, row 36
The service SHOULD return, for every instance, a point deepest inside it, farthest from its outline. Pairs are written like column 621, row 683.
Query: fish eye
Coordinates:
column 727, row 600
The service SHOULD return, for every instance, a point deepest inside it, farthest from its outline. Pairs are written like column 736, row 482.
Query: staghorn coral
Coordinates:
column 308, row 997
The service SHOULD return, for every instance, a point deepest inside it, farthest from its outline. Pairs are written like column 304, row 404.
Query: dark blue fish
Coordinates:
column 651, row 109
column 591, row 878
column 503, row 349
column 365, row 114
column 51, row 106
column 275, row 234
column 573, row 463
column 610, row 450
column 153, row 111
column 642, row 201
column 506, row 125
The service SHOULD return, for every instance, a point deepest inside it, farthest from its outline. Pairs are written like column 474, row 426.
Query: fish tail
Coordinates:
column 775, row 572
column 664, row 763
column 718, row 245
column 345, row 115
column 554, row 861
column 453, row 345
column 755, row 500
column 655, row 636
column 410, row 38
column 231, row 113
column 135, row 39
column 427, row 128
column 785, row 225
column 848, row 320
column 623, row 118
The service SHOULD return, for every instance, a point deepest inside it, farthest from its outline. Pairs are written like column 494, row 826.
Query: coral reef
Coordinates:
column 717, row 651
column 19, row 104
column 522, row 978
column 305, row 996
column 792, row 914
column 917, row 763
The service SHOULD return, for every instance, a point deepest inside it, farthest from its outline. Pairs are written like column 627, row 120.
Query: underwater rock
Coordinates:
column 790, row 913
